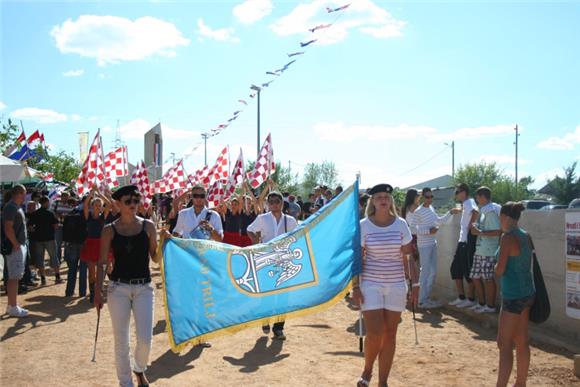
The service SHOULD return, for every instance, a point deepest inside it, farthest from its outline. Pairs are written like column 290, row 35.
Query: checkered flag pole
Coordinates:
column 93, row 170
column 265, row 165
column 116, row 166
column 140, row 178
column 220, row 169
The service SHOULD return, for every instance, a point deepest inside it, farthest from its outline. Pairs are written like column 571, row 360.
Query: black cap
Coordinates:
column 126, row 190
column 380, row 188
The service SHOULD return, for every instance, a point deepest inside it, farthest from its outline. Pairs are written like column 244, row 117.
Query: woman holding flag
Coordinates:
column 133, row 241
column 386, row 241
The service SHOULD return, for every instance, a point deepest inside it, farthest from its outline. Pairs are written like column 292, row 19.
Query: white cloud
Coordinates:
column 567, row 142
column 103, row 76
column 338, row 132
column 251, row 11
column 543, row 178
column 73, row 73
column 2, row 106
column 41, row 116
column 112, row 39
column 502, row 159
column 221, row 35
column 75, row 117
column 363, row 15
column 137, row 128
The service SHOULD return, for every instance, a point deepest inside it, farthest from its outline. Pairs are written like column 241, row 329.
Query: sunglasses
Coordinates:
column 128, row 202
column 198, row 196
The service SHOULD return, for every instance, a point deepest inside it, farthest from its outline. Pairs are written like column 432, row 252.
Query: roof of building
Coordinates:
column 438, row 182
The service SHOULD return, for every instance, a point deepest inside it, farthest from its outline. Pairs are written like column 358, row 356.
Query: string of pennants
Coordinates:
column 102, row 171
column 275, row 74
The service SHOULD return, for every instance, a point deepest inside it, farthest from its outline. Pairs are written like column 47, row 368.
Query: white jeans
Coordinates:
column 122, row 299
column 428, row 258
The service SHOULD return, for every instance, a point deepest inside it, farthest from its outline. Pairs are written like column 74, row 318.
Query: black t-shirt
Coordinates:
column 238, row 223
column 43, row 221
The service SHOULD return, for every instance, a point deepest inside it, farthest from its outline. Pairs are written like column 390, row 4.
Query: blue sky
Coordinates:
column 380, row 92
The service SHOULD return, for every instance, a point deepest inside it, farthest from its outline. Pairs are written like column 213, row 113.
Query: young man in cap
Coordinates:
column 265, row 228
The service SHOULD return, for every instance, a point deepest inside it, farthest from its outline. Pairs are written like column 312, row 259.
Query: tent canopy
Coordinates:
column 14, row 171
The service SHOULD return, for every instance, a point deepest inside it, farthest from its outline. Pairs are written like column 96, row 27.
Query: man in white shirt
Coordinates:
column 197, row 222
column 267, row 227
column 463, row 259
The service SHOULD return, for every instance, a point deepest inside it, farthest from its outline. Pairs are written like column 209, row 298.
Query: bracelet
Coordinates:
column 415, row 285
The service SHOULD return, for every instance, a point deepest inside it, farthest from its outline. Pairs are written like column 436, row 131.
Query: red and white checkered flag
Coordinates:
column 93, row 171
column 201, row 175
column 174, row 179
column 116, row 165
column 236, row 177
column 216, row 193
column 140, row 178
column 265, row 165
column 220, row 169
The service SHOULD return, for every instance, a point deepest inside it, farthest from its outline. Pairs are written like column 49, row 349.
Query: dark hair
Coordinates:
column 17, row 189
column 483, row 191
column 425, row 190
column 410, row 197
column 44, row 200
column 363, row 199
column 462, row 187
column 198, row 187
column 513, row 210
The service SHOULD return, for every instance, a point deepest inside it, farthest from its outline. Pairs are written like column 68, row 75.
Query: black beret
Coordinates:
column 380, row 188
column 126, row 190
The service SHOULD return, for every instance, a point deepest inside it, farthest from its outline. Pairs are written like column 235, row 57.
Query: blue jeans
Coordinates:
column 428, row 257
column 58, row 239
column 72, row 255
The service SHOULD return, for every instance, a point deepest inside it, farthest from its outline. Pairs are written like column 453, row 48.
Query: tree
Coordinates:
column 9, row 135
column 283, row 177
column 566, row 188
column 502, row 186
column 63, row 165
column 315, row 174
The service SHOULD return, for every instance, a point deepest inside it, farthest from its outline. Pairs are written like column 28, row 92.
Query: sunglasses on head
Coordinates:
column 128, row 202
column 198, row 196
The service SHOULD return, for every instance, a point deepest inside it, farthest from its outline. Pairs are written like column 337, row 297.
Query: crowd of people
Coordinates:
column 114, row 234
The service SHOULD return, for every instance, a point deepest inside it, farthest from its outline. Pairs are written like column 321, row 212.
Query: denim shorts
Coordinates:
column 517, row 305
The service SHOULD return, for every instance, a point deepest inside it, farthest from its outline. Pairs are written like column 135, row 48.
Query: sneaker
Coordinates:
column 476, row 307
column 456, row 301
column 432, row 304
column 466, row 303
column 16, row 311
column 279, row 335
column 486, row 309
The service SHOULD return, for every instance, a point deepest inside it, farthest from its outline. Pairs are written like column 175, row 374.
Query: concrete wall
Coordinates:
column 547, row 231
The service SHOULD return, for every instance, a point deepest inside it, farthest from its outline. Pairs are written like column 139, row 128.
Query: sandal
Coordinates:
column 142, row 379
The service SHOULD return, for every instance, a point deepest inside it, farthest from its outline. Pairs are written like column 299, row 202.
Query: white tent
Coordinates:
column 11, row 170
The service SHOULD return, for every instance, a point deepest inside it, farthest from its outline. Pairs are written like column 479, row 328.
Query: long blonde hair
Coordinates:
column 371, row 209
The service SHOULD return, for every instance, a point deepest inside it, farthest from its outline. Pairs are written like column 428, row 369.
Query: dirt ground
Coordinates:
column 54, row 345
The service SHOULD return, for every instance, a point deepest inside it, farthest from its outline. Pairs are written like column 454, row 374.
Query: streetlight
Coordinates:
column 205, row 136
column 452, row 145
column 258, row 89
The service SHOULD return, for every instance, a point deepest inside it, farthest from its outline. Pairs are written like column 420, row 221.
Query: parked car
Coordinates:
column 551, row 207
column 535, row 204
column 574, row 203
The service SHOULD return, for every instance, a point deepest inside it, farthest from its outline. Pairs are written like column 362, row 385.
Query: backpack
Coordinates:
column 74, row 228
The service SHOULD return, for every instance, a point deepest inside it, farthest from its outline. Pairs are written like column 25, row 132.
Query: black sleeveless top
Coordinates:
column 131, row 255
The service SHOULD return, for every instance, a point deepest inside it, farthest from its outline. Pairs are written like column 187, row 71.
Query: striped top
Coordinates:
column 383, row 263
column 425, row 218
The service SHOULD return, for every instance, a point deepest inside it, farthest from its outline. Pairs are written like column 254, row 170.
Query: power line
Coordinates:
column 424, row 162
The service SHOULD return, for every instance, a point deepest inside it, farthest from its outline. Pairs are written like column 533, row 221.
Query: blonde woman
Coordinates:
column 386, row 242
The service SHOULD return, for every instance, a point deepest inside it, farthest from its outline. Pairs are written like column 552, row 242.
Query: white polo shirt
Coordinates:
column 187, row 221
column 468, row 207
column 268, row 227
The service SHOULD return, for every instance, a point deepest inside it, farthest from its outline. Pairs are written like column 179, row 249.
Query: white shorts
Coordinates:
column 391, row 297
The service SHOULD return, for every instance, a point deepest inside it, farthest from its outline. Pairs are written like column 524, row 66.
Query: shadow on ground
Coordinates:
column 170, row 364
column 46, row 310
column 259, row 356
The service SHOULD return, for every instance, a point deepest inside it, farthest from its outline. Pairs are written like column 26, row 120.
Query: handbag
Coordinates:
column 540, row 310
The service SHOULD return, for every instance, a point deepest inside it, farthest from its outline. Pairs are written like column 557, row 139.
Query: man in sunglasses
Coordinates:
column 198, row 222
column 463, row 259
column 265, row 228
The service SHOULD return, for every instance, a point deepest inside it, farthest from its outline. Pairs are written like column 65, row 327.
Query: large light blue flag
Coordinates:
column 213, row 288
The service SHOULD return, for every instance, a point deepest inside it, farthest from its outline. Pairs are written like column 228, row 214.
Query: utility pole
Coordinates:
column 205, row 136
column 173, row 157
column 452, row 145
column 118, row 140
column 516, row 144
column 258, row 90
